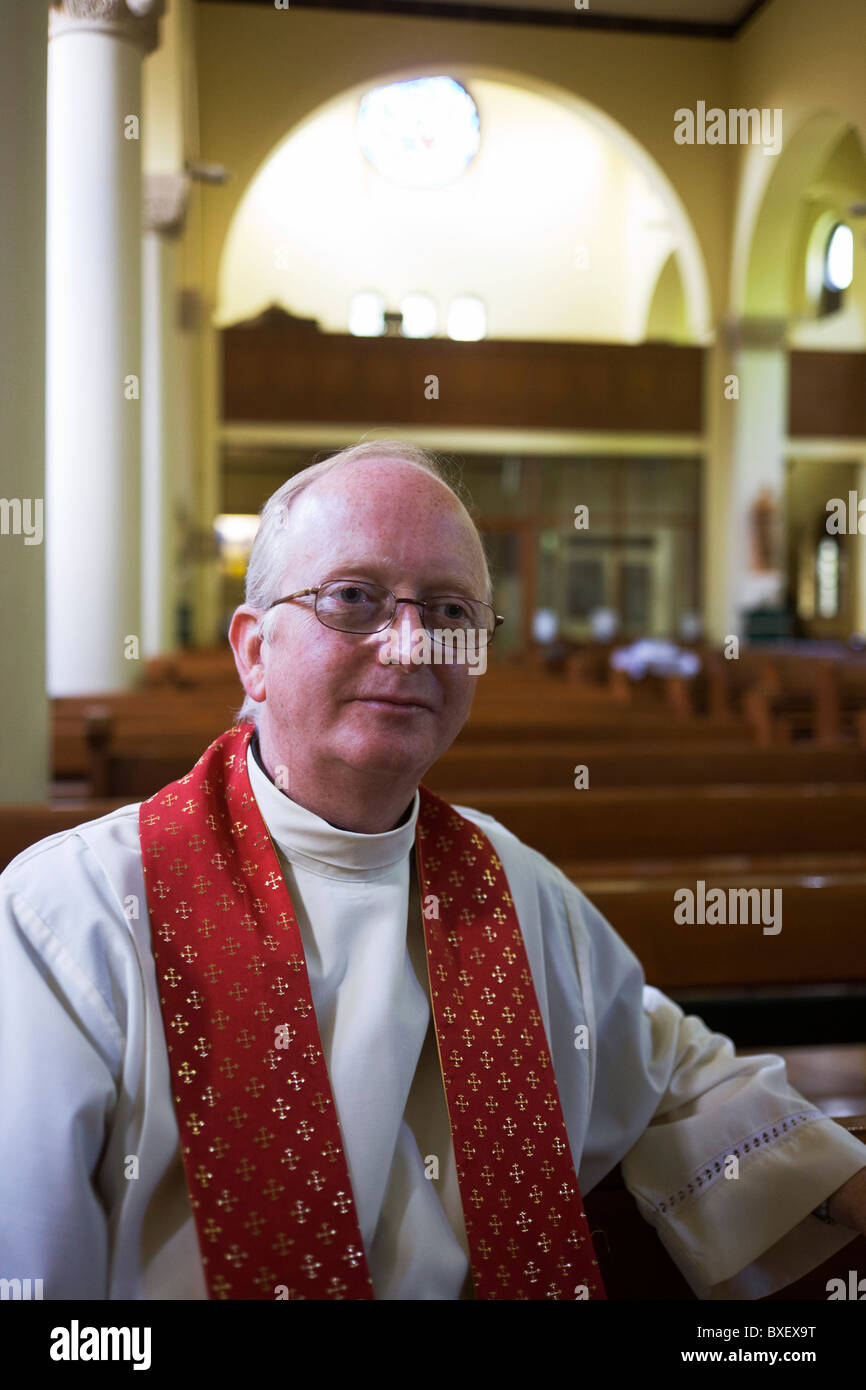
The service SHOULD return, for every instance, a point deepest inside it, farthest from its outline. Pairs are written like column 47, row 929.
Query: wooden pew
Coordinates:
column 22, row 825
column 137, row 765
column 804, row 704
column 536, row 725
column 137, row 761
column 821, row 940
column 663, row 822
column 142, row 768
column 84, row 726
column 801, row 984
column 173, row 727
column 192, row 670
column 521, row 701
column 807, row 697
column 504, row 766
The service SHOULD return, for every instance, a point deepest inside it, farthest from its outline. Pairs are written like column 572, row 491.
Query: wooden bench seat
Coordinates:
column 547, row 764
column 22, row 825
column 188, row 721
column 813, row 698
column 619, row 868
column 822, row 936
column 536, row 725
column 138, row 766
column 644, row 822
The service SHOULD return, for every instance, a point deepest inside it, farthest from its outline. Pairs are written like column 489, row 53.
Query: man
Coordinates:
column 257, row 1047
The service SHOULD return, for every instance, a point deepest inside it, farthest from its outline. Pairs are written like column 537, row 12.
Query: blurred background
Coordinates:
column 273, row 232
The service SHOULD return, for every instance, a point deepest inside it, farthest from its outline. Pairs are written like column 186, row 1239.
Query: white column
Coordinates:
column 859, row 606
column 163, row 368
column 24, row 729
column 207, row 616
column 94, row 373
column 718, row 573
column 759, row 465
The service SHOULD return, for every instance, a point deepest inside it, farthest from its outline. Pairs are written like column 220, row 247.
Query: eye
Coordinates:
column 451, row 610
column 351, row 594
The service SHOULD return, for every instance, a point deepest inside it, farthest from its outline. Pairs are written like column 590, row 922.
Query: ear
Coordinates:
column 246, row 643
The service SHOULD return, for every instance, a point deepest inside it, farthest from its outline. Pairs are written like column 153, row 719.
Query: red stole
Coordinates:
column 260, row 1137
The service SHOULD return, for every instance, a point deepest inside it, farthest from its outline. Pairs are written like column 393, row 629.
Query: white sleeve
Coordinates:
column 686, row 1103
column 61, row 1048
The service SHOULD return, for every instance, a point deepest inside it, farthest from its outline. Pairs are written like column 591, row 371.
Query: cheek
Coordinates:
column 458, row 688
column 311, row 670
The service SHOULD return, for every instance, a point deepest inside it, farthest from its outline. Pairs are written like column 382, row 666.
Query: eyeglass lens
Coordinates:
column 359, row 608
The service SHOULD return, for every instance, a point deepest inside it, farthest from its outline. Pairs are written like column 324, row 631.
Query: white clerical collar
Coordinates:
column 307, row 840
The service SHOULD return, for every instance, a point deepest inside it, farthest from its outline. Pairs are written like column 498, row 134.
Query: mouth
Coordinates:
column 393, row 703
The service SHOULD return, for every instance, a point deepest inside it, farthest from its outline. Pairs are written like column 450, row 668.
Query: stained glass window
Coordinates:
column 422, row 134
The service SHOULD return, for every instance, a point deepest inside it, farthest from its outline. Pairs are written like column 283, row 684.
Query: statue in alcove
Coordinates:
column 763, row 582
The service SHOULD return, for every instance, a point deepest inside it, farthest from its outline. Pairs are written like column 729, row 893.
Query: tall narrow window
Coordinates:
column 827, row 578
column 839, row 260
column 838, row 269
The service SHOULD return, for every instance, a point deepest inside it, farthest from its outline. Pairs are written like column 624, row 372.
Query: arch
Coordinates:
column 690, row 256
column 767, row 224
column 665, row 314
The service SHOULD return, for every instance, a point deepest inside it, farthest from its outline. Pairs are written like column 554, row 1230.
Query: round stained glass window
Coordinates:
column 422, row 133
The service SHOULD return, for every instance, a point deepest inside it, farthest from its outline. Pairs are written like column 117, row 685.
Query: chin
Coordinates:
column 394, row 753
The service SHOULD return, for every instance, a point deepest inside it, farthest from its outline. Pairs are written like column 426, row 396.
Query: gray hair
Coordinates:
column 269, row 553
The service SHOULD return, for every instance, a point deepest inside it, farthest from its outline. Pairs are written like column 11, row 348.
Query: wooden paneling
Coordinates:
column 276, row 370
column 827, row 395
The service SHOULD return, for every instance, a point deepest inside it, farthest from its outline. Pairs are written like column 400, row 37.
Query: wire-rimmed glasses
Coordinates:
column 361, row 607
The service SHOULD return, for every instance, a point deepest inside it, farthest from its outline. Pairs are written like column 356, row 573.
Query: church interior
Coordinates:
column 609, row 261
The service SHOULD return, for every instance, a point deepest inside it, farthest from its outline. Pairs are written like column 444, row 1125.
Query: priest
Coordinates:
column 296, row 1028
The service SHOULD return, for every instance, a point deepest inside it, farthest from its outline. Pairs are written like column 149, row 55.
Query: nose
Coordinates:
column 401, row 632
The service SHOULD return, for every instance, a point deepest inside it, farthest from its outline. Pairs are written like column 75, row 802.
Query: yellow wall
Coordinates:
column 807, row 59
column 262, row 71
column 163, row 134
column 551, row 225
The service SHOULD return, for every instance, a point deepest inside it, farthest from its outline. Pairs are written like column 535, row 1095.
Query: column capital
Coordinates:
column 740, row 333
column 134, row 20
column 164, row 203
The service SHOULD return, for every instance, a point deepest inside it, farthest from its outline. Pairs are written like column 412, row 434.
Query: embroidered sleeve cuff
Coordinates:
column 750, row 1235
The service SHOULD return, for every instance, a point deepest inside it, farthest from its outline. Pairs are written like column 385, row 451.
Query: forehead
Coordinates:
column 387, row 516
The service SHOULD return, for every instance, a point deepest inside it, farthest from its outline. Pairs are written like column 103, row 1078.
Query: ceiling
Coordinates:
column 707, row 18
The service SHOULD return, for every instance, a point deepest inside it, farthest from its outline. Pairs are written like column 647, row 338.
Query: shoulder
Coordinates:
column 71, row 891
column 543, row 894
column 107, row 835
column 506, row 843
column 531, row 871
